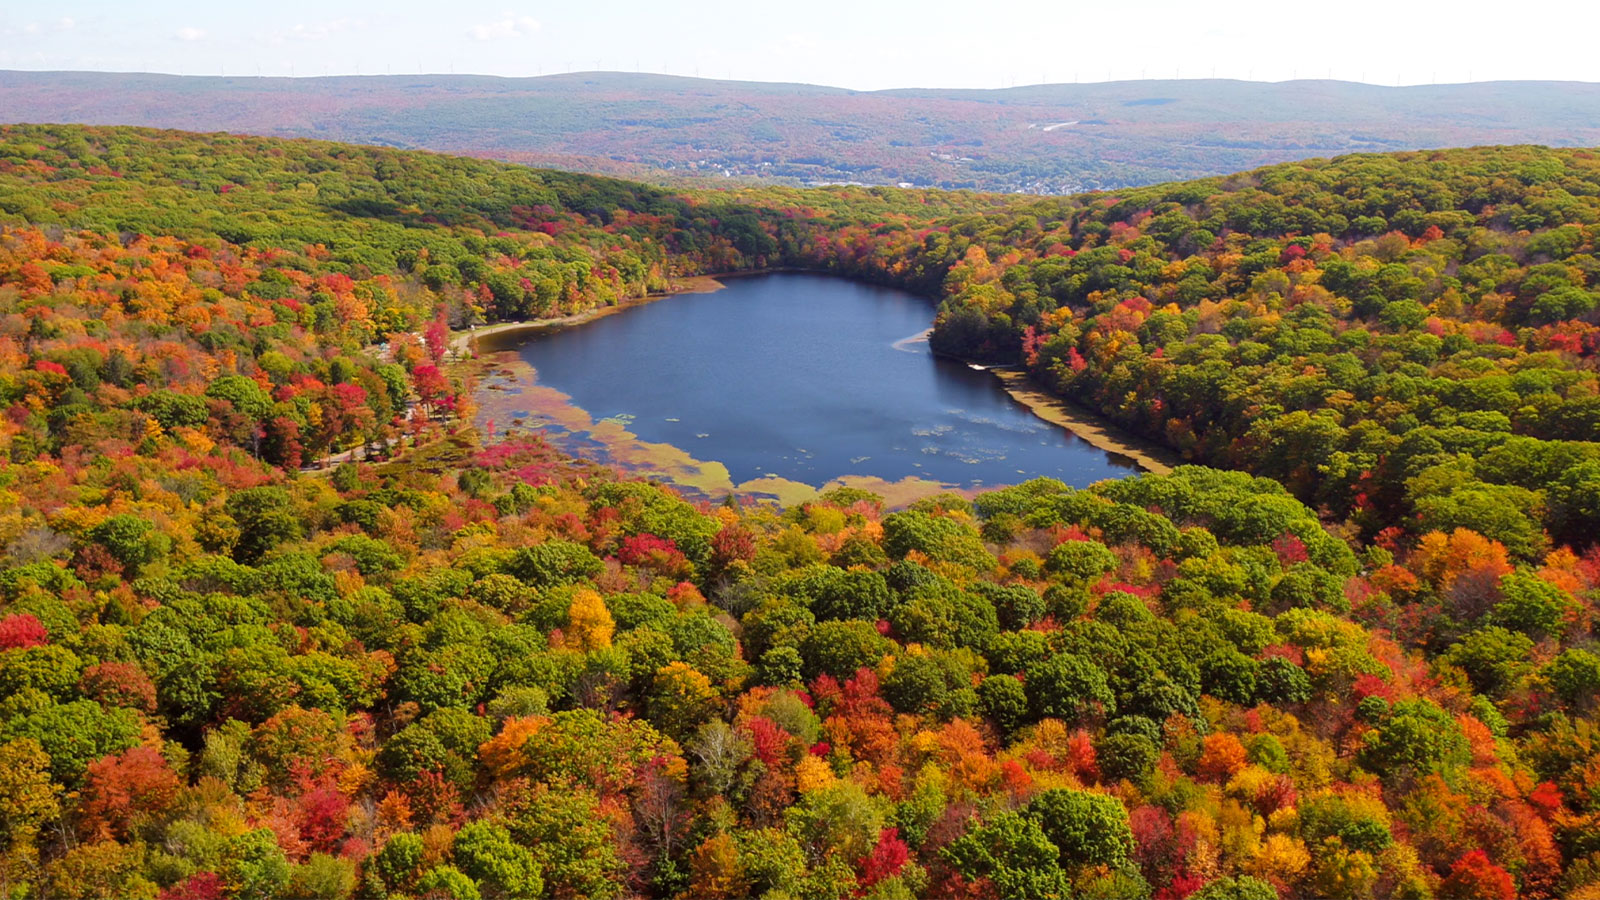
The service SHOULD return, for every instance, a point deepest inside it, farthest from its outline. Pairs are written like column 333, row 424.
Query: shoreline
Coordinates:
column 463, row 346
column 1093, row 429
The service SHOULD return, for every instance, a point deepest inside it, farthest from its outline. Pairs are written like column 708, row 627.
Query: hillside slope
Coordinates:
column 1406, row 341
column 1042, row 139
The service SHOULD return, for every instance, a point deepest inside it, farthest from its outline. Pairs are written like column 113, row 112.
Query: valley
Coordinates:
column 773, row 590
column 703, row 132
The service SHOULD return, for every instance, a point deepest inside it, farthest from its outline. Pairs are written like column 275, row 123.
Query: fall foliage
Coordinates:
column 472, row 668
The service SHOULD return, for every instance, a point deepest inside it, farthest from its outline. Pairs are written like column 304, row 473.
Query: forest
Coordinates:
column 1405, row 342
column 1349, row 653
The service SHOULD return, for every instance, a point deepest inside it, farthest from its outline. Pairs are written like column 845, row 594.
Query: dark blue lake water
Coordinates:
column 806, row 378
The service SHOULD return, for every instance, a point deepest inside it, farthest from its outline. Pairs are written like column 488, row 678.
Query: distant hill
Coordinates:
column 1042, row 139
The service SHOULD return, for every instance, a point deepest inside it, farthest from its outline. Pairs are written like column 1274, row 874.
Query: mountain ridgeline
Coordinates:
column 1048, row 138
column 1361, row 664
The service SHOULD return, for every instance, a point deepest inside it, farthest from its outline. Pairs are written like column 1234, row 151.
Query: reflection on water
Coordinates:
column 799, row 377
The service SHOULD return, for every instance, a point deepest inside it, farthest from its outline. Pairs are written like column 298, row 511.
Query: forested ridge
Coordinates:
column 1406, row 342
column 482, row 669
column 1039, row 139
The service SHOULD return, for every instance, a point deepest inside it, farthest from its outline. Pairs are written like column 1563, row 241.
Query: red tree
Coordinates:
column 119, row 684
column 126, row 788
column 321, row 816
column 437, row 337
column 22, row 630
column 1474, row 877
column 886, row 859
column 281, row 445
column 431, row 386
column 733, row 542
column 199, row 886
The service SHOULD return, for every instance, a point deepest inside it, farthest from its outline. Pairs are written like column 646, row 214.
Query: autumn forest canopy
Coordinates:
column 1348, row 652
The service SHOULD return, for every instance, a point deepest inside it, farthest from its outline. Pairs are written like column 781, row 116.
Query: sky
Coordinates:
column 862, row 44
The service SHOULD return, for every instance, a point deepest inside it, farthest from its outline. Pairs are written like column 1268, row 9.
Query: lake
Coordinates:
column 776, row 384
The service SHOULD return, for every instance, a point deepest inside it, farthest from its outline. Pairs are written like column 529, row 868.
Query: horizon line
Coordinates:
column 329, row 76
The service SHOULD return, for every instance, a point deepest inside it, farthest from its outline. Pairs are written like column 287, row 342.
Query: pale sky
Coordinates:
column 862, row 44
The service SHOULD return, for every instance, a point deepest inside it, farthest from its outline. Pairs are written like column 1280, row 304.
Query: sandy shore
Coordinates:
column 1150, row 456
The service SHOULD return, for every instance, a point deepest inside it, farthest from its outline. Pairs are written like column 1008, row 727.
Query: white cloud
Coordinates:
column 66, row 23
column 190, row 33
column 508, row 27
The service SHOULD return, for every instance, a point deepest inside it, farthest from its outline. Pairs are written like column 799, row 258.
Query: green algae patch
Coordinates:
column 511, row 400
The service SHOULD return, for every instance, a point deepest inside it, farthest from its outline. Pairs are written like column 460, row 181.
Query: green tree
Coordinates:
column 1575, row 676
column 47, row 668
column 1242, row 888
column 773, row 862
column 1492, row 657
column 1279, row 680
column 1230, row 675
column 570, row 841
column 1360, row 823
column 554, row 562
column 1004, row 700
column 1308, row 586
column 940, row 537
column 1532, row 606
column 254, row 868
column 840, row 648
column 130, row 540
column 1090, row 829
column 449, row 883
column 1067, row 686
column 1083, row 560
column 838, row 594
column 1127, row 755
column 1015, row 853
column 1499, row 512
column 501, row 868
column 1416, row 738
column 75, row 734
column 243, row 394
column 322, row 877
column 398, row 863
column 840, row 818
column 265, row 517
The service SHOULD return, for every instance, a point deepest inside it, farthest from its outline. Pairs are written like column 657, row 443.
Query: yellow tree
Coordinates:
column 590, row 625
column 681, row 700
column 28, row 799
column 715, row 872
column 502, row 755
